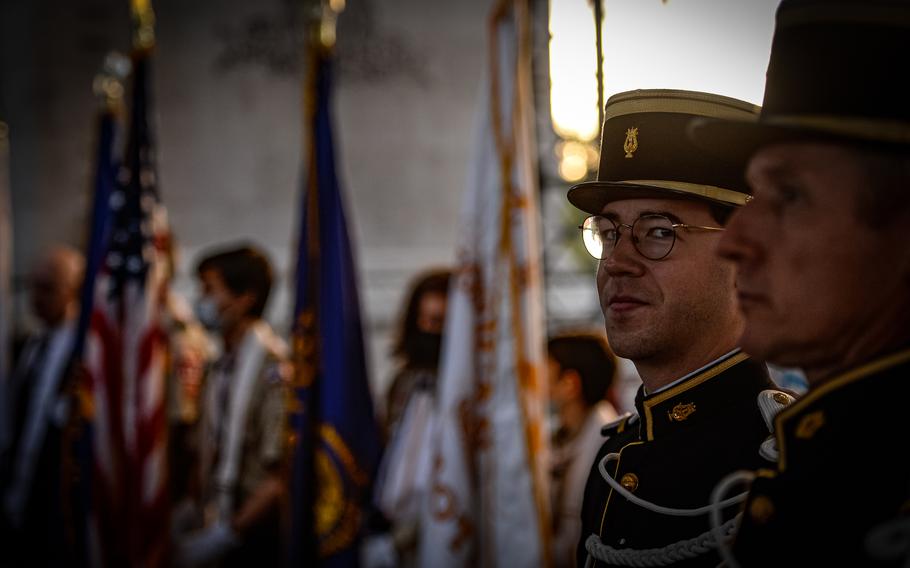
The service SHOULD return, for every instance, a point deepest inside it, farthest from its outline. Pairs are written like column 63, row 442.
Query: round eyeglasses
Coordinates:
column 653, row 236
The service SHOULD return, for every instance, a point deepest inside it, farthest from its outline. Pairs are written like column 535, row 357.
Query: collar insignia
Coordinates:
column 681, row 411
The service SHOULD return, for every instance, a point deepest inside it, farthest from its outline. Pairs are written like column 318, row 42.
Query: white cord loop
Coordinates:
column 664, row 556
column 659, row 509
column 716, row 538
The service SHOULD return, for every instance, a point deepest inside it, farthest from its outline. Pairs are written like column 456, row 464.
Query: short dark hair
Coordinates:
column 244, row 269
column 589, row 355
column 429, row 282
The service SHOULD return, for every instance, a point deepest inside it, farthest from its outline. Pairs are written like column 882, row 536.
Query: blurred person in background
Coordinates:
column 242, row 444
column 419, row 341
column 190, row 351
column 581, row 370
column 34, row 412
column 403, row 478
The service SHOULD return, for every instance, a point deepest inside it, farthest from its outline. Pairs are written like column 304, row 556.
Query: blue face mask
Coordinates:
column 208, row 314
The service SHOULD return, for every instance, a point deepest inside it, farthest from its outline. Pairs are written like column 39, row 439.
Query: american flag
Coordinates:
column 125, row 358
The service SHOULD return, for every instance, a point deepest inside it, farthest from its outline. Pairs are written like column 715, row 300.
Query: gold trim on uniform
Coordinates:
column 622, row 425
column 603, row 517
column 686, row 385
column 837, row 382
column 810, row 424
column 765, row 472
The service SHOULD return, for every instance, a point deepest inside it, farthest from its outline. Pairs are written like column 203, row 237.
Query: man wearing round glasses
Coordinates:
column 658, row 209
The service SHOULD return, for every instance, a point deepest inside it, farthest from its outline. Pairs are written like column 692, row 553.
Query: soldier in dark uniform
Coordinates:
column 824, row 282
column 669, row 303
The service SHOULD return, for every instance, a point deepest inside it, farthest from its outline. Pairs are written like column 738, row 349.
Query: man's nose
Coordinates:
column 736, row 242
column 624, row 258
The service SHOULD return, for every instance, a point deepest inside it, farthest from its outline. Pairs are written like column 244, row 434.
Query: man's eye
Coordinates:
column 787, row 192
column 608, row 235
column 659, row 233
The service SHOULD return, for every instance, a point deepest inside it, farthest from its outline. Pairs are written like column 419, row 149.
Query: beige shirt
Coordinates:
column 262, row 445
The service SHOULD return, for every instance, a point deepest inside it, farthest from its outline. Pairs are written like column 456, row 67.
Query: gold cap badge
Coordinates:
column 631, row 143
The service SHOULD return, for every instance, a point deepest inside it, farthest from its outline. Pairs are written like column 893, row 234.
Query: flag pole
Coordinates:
column 320, row 17
column 76, row 455
column 143, row 17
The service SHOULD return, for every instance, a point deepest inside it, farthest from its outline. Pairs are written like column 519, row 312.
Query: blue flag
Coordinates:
column 337, row 444
column 105, row 179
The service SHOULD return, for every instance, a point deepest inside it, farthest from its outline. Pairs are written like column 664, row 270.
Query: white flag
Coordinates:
column 488, row 490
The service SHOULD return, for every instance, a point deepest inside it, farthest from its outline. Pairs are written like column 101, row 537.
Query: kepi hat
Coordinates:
column 645, row 151
column 834, row 74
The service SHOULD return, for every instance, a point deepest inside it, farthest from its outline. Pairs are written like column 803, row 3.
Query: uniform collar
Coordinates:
column 698, row 371
column 804, row 418
column 694, row 395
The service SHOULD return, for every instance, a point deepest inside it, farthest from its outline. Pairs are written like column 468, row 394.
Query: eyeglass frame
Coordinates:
column 618, row 226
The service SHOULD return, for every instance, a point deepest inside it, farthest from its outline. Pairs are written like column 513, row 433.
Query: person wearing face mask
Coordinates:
column 419, row 341
column 242, row 445
column 404, row 475
column 189, row 351
column 581, row 369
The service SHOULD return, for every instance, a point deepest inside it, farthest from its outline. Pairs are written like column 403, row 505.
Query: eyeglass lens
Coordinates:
column 653, row 236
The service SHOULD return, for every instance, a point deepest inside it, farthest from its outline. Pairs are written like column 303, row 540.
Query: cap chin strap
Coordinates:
column 716, row 538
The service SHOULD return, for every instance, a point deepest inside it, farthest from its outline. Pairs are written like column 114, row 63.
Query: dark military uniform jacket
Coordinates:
column 840, row 494
column 683, row 441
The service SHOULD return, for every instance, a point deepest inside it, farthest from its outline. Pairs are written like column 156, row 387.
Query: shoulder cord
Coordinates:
column 717, row 537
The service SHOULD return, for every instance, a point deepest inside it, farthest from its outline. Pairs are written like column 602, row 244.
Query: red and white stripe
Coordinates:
column 126, row 356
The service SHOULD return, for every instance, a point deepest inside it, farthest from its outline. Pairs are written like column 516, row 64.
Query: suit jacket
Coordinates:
column 682, row 442
column 840, row 494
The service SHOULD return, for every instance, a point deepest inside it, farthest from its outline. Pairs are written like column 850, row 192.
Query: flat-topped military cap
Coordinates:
column 835, row 74
column 645, row 151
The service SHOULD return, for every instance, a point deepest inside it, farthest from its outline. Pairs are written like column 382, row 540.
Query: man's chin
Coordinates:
column 628, row 344
column 764, row 346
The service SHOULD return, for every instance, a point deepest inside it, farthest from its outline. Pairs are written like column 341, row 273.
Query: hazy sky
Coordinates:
column 718, row 46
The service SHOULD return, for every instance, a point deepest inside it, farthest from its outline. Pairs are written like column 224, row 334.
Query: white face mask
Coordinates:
column 208, row 313
column 552, row 418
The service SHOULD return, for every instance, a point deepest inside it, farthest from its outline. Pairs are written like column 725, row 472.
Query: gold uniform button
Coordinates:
column 781, row 398
column 761, row 509
column 629, row 482
column 809, row 425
